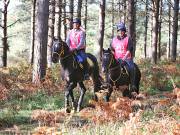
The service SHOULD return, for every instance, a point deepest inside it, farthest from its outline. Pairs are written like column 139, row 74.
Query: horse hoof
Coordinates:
column 67, row 110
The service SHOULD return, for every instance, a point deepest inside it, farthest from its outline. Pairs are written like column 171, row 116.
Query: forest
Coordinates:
column 35, row 85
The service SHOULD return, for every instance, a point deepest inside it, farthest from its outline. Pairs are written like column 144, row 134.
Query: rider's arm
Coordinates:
column 82, row 41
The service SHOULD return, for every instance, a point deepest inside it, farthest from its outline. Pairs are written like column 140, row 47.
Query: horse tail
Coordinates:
column 97, row 79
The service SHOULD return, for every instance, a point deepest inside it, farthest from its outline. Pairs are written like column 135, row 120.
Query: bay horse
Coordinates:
column 73, row 72
column 117, row 75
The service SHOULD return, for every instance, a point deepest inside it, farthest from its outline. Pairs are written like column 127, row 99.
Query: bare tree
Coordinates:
column 58, row 16
column 112, row 20
column 159, row 30
column 41, row 36
column 101, row 24
column 79, row 9
column 33, row 13
column 4, row 26
column 132, row 22
column 85, row 15
column 71, row 11
column 64, row 21
column 169, row 33
column 174, row 30
column 155, row 4
column 50, row 31
column 124, row 10
column 146, row 28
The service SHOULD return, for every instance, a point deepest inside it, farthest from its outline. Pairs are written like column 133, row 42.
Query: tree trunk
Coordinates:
column 33, row 13
column 41, row 35
column 85, row 15
column 50, row 31
column 124, row 11
column 71, row 10
column 159, row 30
column 58, row 15
column 146, row 28
column 101, row 25
column 79, row 9
column 64, row 21
column 155, row 30
column 85, row 18
column 112, row 21
column 175, row 30
column 132, row 25
column 169, row 34
column 4, row 36
column 119, row 9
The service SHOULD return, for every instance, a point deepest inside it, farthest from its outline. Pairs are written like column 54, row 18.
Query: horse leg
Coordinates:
column 83, row 90
column 110, row 90
column 68, row 91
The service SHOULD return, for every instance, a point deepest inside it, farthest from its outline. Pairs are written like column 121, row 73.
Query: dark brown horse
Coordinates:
column 73, row 72
column 117, row 75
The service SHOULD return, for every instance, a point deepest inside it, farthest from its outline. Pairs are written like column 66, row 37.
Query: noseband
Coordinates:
column 61, row 53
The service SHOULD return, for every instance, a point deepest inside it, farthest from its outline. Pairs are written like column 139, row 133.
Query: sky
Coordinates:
column 12, row 4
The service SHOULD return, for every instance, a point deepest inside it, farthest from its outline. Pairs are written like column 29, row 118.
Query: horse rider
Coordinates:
column 76, row 42
column 122, row 48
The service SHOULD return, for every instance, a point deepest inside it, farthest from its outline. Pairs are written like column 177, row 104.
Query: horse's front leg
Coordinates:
column 83, row 90
column 69, row 91
column 110, row 90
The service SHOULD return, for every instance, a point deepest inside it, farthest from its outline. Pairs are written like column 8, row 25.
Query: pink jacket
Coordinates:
column 76, row 39
column 120, row 47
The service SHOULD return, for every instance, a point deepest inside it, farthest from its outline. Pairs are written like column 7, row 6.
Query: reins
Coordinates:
column 111, row 69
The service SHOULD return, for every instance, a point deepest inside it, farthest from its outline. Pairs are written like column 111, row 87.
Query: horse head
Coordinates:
column 107, row 60
column 59, row 50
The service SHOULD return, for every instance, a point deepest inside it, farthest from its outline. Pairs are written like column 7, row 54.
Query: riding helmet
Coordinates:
column 121, row 26
column 77, row 20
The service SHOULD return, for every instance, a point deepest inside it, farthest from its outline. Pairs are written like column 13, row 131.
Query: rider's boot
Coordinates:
column 132, row 79
column 86, row 74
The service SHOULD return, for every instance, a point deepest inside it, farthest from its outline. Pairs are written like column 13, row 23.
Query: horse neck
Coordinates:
column 67, row 61
column 114, row 63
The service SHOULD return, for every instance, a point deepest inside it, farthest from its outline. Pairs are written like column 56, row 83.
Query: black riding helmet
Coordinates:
column 121, row 26
column 77, row 20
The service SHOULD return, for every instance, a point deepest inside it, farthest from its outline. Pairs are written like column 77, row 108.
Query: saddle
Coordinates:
column 89, row 61
column 79, row 61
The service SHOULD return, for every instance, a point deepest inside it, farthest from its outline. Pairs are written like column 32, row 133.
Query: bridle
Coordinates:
column 111, row 69
column 61, row 53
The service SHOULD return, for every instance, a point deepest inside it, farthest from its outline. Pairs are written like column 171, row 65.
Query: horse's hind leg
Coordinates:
column 83, row 90
column 69, row 91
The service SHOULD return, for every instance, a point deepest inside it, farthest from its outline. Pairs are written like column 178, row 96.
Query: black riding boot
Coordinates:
column 132, row 79
column 85, row 69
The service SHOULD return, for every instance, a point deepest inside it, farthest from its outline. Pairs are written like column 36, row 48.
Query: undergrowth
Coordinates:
column 19, row 98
